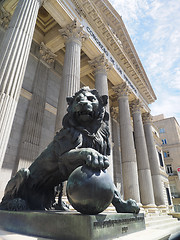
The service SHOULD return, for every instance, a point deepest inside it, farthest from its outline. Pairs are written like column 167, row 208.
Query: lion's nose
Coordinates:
column 83, row 103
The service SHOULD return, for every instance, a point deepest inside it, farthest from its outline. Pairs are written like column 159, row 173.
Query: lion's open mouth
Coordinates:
column 85, row 113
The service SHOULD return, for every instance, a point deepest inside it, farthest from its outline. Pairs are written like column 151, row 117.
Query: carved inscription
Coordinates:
column 124, row 229
column 112, row 223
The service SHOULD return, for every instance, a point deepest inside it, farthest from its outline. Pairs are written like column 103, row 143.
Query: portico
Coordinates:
column 88, row 44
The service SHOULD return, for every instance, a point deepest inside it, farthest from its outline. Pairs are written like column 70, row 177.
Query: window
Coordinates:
column 161, row 130
column 164, row 141
column 173, row 190
column 134, row 140
column 166, row 154
column 169, row 169
column 168, row 196
column 160, row 159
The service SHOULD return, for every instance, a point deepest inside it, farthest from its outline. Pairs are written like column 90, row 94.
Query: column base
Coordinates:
column 162, row 209
column 141, row 208
column 150, row 209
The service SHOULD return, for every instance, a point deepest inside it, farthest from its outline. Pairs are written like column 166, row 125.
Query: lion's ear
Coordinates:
column 69, row 100
column 104, row 99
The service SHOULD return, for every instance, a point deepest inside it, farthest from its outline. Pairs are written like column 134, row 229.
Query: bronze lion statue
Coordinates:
column 82, row 140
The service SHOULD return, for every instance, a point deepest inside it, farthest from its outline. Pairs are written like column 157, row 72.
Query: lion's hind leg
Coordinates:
column 12, row 199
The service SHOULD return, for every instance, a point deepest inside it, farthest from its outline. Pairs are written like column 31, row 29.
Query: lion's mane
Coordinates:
column 97, row 136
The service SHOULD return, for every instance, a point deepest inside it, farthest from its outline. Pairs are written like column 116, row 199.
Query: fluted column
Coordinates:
column 128, row 155
column 153, row 160
column 116, row 148
column 70, row 83
column 101, row 67
column 14, row 54
column 31, row 134
column 144, row 172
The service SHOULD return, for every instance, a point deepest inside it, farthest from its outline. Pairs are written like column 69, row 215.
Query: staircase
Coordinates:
column 157, row 228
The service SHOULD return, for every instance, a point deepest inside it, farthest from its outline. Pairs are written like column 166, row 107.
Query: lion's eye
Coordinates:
column 78, row 99
column 91, row 98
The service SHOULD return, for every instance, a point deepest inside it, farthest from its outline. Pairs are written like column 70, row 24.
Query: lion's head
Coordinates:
column 86, row 107
column 86, row 121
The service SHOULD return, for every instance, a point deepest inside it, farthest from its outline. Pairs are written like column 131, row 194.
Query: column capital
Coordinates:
column 147, row 117
column 121, row 90
column 114, row 113
column 136, row 106
column 46, row 55
column 100, row 63
column 41, row 2
column 5, row 17
column 74, row 31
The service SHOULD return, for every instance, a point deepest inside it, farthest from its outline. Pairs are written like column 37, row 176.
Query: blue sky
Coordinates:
column 154, row 27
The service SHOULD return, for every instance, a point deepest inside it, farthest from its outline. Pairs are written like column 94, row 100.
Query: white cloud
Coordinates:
column 131, row 11
column 167, row 104
column 154, row 28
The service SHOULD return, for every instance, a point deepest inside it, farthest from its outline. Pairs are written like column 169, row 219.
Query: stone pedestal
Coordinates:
column 72, row 225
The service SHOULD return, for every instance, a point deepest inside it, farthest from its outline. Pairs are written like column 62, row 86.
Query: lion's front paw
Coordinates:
column 132, row 206
column 129, row 206
column 96, row 160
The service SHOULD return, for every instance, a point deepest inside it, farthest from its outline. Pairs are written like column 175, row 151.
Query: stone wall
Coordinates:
column 10, row 162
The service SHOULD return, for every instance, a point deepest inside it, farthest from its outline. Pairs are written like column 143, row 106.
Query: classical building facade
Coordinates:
column 49, row 49
column 169, row 132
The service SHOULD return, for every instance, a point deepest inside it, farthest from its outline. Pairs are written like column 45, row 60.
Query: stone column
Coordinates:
column 116, row 149
column 70, row 83
column 128, row 155
column 144, row 172
column 31, row 134
column 14, row 54
column 153, row 160
column 101, row 66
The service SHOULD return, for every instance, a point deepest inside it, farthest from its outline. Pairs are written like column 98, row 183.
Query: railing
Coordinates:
column 174, row 173
column 175, row 194
column 177, row 208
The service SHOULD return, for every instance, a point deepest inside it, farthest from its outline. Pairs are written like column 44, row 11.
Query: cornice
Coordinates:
column 116, row 23
column 99, row 23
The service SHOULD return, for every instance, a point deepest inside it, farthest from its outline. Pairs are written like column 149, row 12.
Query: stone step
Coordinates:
column 160, row 221
column 164, row 225
column 164, row 216
column 161, row 232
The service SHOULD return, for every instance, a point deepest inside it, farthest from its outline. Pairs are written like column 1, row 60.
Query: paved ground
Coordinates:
column 12, row 236
column 147, row 234
column 157, row 228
